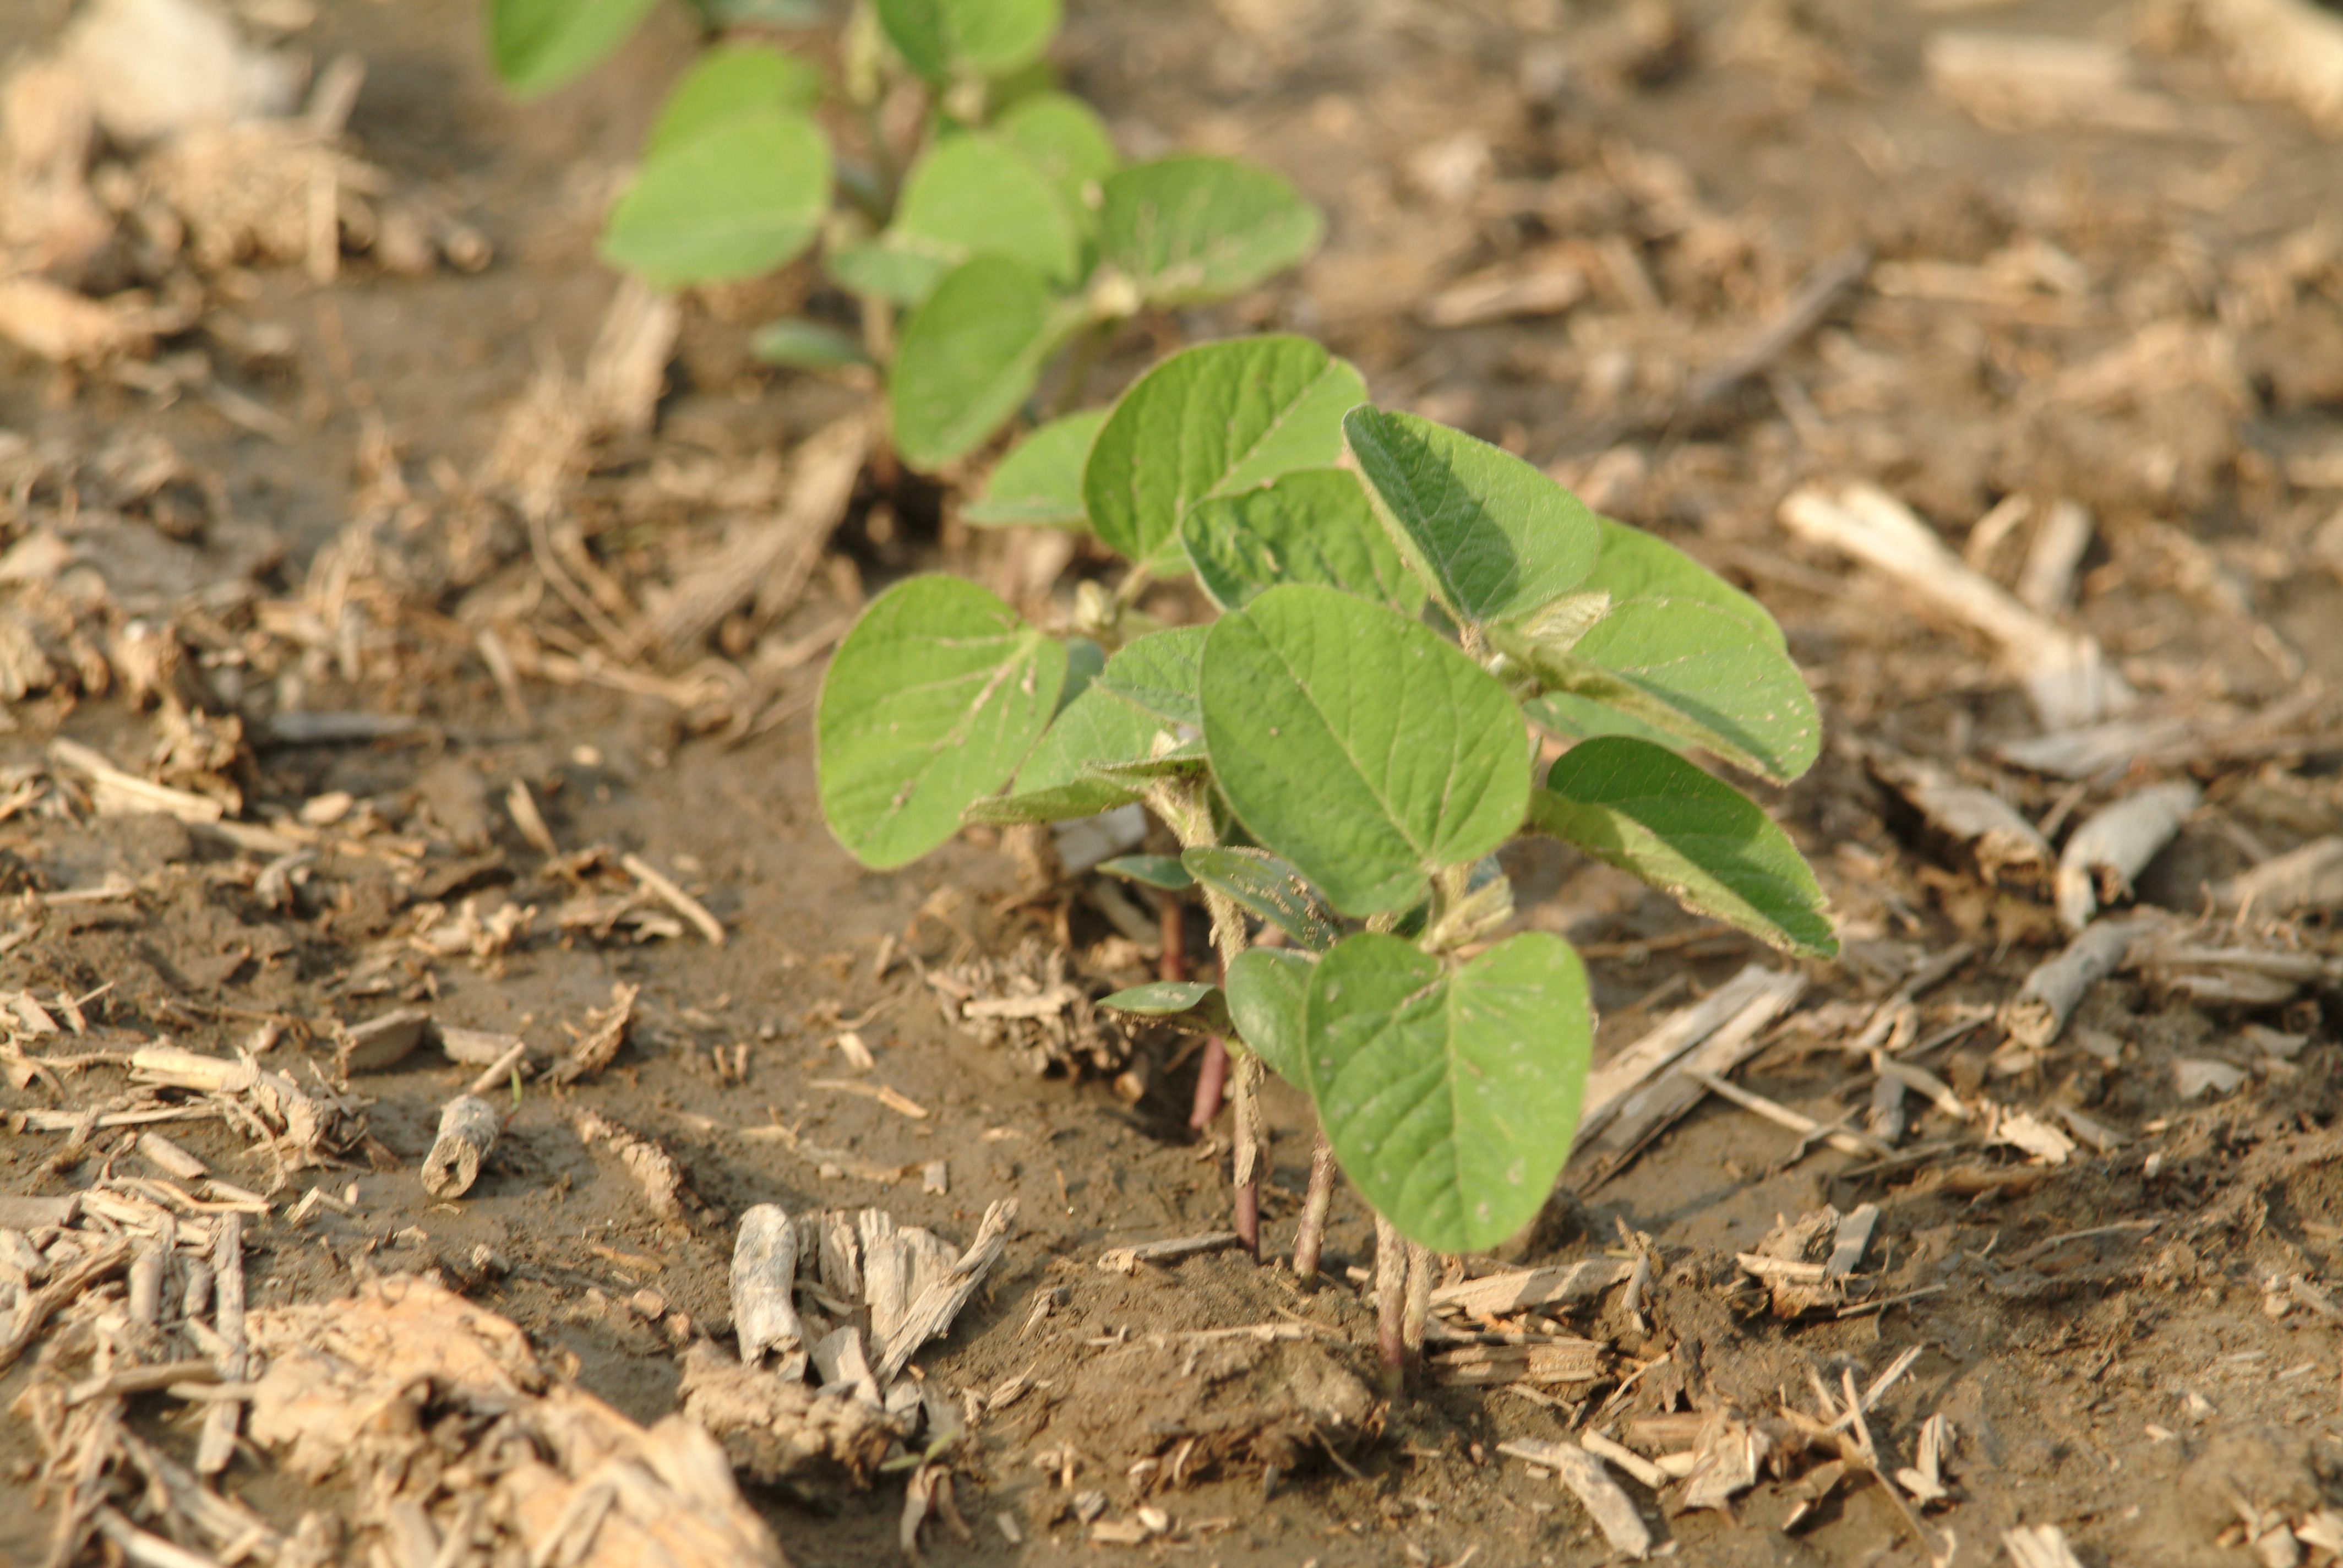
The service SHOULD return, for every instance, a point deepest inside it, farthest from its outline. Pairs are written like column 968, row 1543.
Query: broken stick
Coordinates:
column 2036, row 1015
column 764, row 1276
column 2116, row 845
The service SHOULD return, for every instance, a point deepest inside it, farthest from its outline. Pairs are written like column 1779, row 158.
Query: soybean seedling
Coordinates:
column 1404, row 612
column 989, row 233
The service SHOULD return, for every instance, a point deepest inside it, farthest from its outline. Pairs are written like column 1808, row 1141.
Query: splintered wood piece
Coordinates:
column 2038, row 1012
column 468, row 1126
column 2116, row 845
column 1650, row 1111
column 1853, row 1240
column 475, row 1047
column 35, row 1309
column 169, row 1157
column 217, row 1444
column 839, row 1257
column 1989, row 826
column 1127, row 1259
column 2066, row 676
column 2309, row 878
column 1613, row 1512
column 1499, row 1295
column 175, row 1067
column 1486, row 1366
column 119, row 794
column 653, row 1169
column 931, row 1313
column 764, row 1280
column 607, row 1033
column 1608, row 1086
column 671, row 893
column 2039, row 1547
column 774, row 1428
column 1781, row 1115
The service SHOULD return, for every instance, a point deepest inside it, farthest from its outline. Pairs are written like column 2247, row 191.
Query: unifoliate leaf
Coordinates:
column 1066, row 141
column 538, row 44
column 976, row 195
column 1269, row 887
column 1492, row 538
column 731, row 80
column 1450, row 1096
column 736, row 200
column 1311, row 526
column 803, row 345
column 1693, row 670
column 877, row 270
column 968, row 357
column 943, row 38
column 1163, row 871
column 1359, row 745
column 931, row 701
column 1268, row 987
column 1695, row 837
column 1635, row 565
column 1195, row 227
column 1040, row 483
column 1214, row 421
column 1190, row 1006
column 1158, row 672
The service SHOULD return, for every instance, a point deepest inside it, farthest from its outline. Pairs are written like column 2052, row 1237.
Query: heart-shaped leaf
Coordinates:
column 1195, row 227
column 538, row 44
column 1491, row 537
column 1269, row 887
column 1311, row 526
column 1040, row 483
column 731, row 80
column 943, row 38
column 969, row 194
column 1188, row 1006
column 1450, row 1096
column 1648, row 811
column 968, row 357
column 1268, row 987
column 1066, row 140
column 1158, row 672
column 931, row 701
column 1061, row 779
column 1214, row 421
column 1359, row 745
column 735, row 201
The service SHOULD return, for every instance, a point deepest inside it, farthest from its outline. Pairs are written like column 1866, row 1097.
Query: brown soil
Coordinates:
column 2129, row 1385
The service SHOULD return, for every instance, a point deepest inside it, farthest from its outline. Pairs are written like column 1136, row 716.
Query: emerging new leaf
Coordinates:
column 1492, row 538
column 1214, row 421
column 1196, row 227
column 736, row 200
column 1359, row 745
column 1450, row 1096
column 968, row 357
column 1649, row 812
column 1311, row 526
column 943, row 38
column 931, row 701
column 1040, row 483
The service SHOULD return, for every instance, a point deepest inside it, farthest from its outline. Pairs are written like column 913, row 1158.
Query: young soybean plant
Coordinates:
column 1341, row 754
column 1012, row 232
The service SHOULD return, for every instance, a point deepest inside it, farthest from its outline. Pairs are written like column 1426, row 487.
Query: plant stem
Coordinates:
column 1391, row 1304
column 1311, row 1236
column 1210, row 1081
column 1417, row 1307
column 1251, row 1152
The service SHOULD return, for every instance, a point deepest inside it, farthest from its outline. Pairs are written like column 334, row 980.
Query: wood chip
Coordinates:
column 675, row 898
column 2309, row 878
column 1625, row 1458
column 1127, row 1260
column 65, row 1285
column 764, row 1280
column 1487, row 1366
column 2036, row 1015
column 2115, row 845
column 2039, row 1547
column 1854, row 1238
column 1989, row 826
column 933, row 1313
column 380, row 1042
column 893, row 1100
column 606, row 1035
column 1613, row 1511
column 468, row 1126
column 1501, row 1295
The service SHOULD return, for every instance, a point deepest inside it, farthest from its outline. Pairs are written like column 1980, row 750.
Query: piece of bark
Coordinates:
column 1986, row 825
column 2038, row 1012
column 217, row 1444
column 2066, row 675
column 1499, row 1295
column 2309, row 878
column 468, row 1126
column 170, row 1159
column 474, row 1047
column 1609, row 1085
column 931, row 1313
column 1648, row 1111
column 2115, row 845
column 65, row 1285
column 772, row 1428
column 1127, row 1259
column 34, row 1213
column 1613, row 1512
column 606, row 1034
column 764, row 1282
column 380, row 1042
column 1493, row 1366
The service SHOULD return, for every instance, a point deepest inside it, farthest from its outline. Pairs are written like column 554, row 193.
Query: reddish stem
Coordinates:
column 1211, row 1079
column 1173, row 915
column 1248, row 1215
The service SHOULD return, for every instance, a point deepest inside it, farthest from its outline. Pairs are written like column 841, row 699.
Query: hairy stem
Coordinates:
column 1311, row 1236
column 1391, row 1304
column 1252, row 1149
column 1418, row 1306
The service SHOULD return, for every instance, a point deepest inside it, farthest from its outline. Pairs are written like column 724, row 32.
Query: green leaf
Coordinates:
column 968, row 358
column 803, row 345
column 1576, row 717
column 1163, row 871
column 1095, row 729
column 1195, row 227
column 735, row 201
column 760, row 12
column 1451, row 1097
column 931, row 702
column 1158, row 672
column 1040, row 483
column 1084, row 659
column 976, row 195
column 1211, row 421
column 1190, row 1006
column 1492, row 538
column 878, row 270
column 1635, row 565
column 1651, row 813
column 731, row 80
column 1268, row 987
column 1311, row 526
column 943, row 38
column 1693, row 670
column 1360, row 745
column 1269, row 887
column 538, row 44
column 1066, row 141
